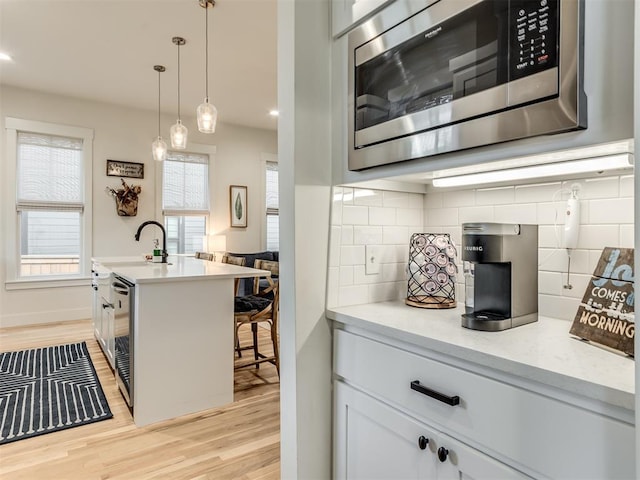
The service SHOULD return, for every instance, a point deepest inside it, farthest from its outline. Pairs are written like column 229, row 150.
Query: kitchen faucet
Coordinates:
column 164, row 237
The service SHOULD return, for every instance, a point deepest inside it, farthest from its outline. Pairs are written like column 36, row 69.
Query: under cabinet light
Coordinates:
column 588, row 165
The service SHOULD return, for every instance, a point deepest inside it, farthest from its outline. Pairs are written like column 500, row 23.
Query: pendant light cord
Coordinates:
column 159, row 103
column 206, row 50
column 178, row 80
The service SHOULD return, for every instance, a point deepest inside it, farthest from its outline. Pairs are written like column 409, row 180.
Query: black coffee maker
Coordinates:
column 500, row 263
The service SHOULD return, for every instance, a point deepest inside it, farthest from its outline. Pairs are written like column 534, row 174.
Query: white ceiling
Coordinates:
column 105, row 50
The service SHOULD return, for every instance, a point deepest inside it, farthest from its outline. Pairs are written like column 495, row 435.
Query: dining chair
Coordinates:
column 235, row 260
column 263, row 307
column 204, row 256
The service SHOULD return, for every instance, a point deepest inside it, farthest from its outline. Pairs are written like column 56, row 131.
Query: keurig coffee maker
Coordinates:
column 501, row 275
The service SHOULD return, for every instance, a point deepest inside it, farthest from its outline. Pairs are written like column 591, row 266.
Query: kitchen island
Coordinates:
column 181, row 330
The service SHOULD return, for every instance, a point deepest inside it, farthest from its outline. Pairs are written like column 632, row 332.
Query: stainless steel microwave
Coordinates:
column 429, row 77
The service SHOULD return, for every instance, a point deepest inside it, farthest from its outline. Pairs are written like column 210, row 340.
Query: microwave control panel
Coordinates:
column 533, row 36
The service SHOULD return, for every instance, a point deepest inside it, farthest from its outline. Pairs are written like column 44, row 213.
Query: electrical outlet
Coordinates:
column 372, row 259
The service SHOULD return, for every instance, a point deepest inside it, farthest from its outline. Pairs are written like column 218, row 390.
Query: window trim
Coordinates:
column 13, row 280
column 264, row 159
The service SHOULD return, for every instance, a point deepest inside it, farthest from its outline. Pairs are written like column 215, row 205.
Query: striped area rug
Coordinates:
column 43, row 390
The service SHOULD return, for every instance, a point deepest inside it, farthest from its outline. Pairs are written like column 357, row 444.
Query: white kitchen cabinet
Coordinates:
column 491, row 428
column 102, row 311
column 376, row 441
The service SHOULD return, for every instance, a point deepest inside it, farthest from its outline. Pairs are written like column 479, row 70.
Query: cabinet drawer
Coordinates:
column 545, row 435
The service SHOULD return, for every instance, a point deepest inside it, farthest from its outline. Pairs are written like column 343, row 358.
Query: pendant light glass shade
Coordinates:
column 207, row 117
column 206, row 113
column 159, row 146
column 159, row 149
column 178, row 131
column 179, row 135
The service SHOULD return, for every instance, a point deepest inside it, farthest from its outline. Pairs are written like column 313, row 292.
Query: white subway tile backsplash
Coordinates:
column 433, row 200
column 347, row 196
column 626, row 186
column 352, row 255
column 550, row 283
column 442, row 216
column 394, row 272
column 598, row 236
column 395, row 235
column 541, row 192
column 411, row 217
column 367, row 235
column 355, row 215
column 388, row 219
column 523, row 213
column 347, row 235
column 382, row 216
column 459, row 198
column 627, row 236
column 346, row 275
column 370, row 198
column 495, row 196
column 556, row 260
column 475, row 214
column 360, row 276
column 416, row 200
column 382, row 292
column 395, row 199
column 613, row 210
column 353, row 295
column 564, row 308
column 607, row 187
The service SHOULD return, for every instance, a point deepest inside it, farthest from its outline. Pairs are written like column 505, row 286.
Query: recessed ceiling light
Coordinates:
column 274, row 113
column 4, row 56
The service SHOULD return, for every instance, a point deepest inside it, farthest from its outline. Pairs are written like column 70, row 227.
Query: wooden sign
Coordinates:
column 606, row 313
column 117, row 168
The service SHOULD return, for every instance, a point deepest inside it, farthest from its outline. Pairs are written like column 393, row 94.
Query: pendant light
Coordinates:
column 207, row 113
column 159, row 146
column 178, row 131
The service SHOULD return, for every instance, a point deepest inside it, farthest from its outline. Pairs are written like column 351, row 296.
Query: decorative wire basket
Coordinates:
column 432, row 270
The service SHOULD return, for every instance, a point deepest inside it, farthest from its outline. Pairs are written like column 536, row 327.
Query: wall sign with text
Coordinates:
column 606, row 314
column 117, row 168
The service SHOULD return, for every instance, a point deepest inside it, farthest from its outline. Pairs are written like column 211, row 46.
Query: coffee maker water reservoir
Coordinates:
column 501, row 275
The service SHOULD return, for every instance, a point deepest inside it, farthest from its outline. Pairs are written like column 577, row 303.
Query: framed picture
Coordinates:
column 238, row 206
column 116, row 168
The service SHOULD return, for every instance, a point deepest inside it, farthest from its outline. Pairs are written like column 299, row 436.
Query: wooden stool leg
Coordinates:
column 276, row 352
column 254, row 331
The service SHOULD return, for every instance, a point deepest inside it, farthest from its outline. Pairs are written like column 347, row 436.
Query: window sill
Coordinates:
column 47, row 283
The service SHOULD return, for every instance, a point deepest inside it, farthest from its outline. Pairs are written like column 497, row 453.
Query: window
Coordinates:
column 272, row 202
column 185, row 200
column 52, row 184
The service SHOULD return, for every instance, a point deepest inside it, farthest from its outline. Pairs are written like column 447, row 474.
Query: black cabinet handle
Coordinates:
column 423, row 442
column 442, row 454
column 455, row 400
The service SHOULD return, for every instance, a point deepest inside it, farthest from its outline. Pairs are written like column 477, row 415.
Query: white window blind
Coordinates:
column 49, row 172
column 185, row 184
column 50, row 203
column 272, row 202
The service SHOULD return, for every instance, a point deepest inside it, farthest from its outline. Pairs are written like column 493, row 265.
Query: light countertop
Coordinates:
column 178, row 268
column 542, row 351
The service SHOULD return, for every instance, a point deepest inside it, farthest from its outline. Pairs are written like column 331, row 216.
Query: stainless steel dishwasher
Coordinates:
column 123, row 295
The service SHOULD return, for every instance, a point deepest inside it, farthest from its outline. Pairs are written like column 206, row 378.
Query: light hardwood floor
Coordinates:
column 238, row 441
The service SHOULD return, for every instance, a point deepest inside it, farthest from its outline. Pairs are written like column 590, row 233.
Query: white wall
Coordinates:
column 387, row 220
column 126, row 134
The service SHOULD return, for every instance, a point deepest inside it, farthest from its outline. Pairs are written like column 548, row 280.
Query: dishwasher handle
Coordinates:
column 120, row 288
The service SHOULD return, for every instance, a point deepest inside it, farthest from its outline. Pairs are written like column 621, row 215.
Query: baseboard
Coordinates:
column 35, row 318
